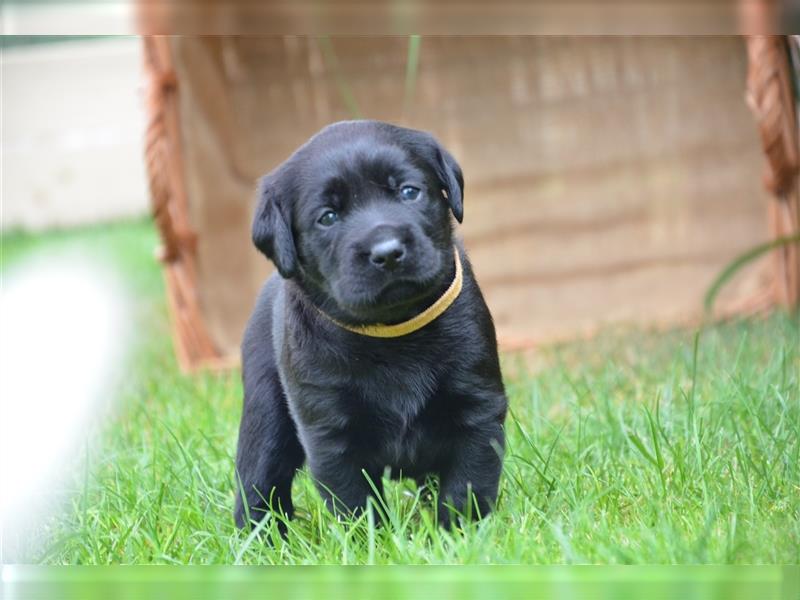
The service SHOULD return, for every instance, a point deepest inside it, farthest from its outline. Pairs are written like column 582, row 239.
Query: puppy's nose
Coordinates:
column 387, row 254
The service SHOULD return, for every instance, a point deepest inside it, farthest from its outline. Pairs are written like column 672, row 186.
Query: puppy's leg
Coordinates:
column 468, row 483
column 269, row 452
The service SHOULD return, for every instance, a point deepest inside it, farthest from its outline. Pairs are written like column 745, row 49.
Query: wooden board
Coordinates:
column 608, row 180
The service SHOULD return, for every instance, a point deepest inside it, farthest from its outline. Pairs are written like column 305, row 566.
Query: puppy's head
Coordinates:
column 360, row 217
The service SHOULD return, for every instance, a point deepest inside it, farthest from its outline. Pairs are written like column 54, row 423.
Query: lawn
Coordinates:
column 635, row 447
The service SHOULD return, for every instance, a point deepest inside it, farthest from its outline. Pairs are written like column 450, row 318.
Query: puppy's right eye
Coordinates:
column 328, row 218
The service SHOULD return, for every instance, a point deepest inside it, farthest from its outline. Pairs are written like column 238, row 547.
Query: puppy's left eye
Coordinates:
column 409, row 192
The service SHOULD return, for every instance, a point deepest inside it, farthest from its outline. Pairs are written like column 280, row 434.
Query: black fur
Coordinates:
column 427, row 403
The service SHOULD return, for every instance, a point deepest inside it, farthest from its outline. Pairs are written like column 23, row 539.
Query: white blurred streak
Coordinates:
column 61, row 333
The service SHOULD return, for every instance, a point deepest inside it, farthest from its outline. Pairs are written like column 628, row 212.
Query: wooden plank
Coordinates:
column 608, row 180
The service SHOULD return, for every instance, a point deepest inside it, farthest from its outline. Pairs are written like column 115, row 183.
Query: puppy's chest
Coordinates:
column 405, row 385
column 387, row 397
column 373, row 397
column 387, row 415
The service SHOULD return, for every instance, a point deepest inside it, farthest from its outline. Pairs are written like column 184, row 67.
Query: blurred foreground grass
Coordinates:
column 631, row 448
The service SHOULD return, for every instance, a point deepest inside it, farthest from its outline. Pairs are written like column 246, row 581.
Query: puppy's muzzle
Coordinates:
column 387, row 254
column 388, row 247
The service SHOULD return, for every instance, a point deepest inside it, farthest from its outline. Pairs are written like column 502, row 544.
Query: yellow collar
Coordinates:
column 415, row 323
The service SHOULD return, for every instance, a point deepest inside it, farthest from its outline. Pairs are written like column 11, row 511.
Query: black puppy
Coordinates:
column 374, row 347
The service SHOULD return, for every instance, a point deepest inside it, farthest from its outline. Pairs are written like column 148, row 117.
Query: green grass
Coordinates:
column 632, row 448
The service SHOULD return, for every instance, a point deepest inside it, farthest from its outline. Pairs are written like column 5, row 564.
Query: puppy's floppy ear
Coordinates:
column 447, row 169
column 272, row 222
column 451, row 176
